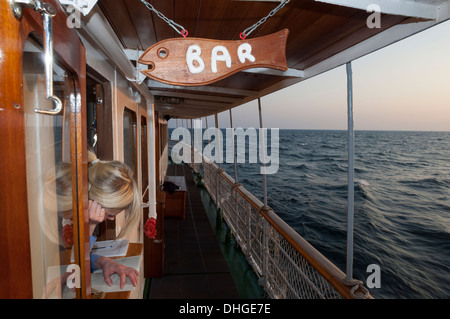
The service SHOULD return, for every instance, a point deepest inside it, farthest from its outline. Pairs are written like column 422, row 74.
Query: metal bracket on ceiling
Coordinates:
column 133, row 55
column 84, row 6
column 38, row 5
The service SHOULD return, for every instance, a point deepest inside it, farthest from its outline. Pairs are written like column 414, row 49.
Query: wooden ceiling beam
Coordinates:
column 152, row 84
column 187, row 112
column 197, row 105
column 200, row 97
column 289, row 73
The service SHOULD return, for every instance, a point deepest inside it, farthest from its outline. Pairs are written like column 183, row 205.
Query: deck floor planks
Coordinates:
column 194, row 266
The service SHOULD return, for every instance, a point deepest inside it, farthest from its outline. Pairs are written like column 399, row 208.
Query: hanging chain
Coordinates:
column 179, row 28
column 182, row 31
column 249, row 30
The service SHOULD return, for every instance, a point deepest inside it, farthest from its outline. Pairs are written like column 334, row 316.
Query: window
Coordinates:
column 130, row 139
column 144, row 154
column 49, row 177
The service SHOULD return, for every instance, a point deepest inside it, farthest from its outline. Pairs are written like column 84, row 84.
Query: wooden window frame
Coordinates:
column 105, row 137
column 134, row 166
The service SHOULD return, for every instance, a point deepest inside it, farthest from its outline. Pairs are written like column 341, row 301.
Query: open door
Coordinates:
column 43, row 145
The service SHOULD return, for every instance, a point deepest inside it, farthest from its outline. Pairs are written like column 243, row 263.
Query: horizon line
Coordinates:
column 336, row 129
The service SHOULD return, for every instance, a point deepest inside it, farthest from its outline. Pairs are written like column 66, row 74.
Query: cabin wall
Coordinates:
column 123, row 95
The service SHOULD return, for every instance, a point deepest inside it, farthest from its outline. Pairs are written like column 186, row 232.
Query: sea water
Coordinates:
column 401, row 203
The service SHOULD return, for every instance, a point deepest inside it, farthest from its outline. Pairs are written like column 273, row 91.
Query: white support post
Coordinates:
column 351, row 152
column 201, row 138
column 262, row 149
column 234, row 148
column 219, row 142
column 207, row 131
column 218, row 157
column 192, row 146
column 265, row 238
column 153, row 183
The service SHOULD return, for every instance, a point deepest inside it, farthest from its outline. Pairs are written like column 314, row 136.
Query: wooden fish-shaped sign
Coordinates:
column 196, row 61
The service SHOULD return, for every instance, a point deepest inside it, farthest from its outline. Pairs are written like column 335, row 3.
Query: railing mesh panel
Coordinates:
column 286, row 273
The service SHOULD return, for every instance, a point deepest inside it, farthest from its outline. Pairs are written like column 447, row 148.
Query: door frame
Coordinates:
column 15, row 260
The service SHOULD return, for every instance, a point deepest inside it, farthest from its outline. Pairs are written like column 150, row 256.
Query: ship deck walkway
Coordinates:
column 194, row 265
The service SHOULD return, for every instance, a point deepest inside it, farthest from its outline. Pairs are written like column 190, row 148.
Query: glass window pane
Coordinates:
column 129, row 139
column 144, row 154
column 49, row 178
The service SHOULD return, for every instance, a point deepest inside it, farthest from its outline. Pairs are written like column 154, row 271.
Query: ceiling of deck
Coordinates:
column 317, row 31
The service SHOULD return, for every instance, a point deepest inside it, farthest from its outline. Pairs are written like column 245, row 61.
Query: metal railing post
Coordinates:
column 234, row 148
column 351, row 152
column 202, row 146
column 219, row 159
column 262, row 149
column 263, row 163
column 192, row 147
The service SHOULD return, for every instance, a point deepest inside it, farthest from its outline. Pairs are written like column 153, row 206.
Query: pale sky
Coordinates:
column 405, row 86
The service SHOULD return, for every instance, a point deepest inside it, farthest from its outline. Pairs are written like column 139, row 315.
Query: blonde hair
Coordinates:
column 112, row 185
column 62, row 178
column 57, row 201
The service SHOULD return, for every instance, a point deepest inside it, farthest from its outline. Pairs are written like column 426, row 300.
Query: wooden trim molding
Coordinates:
column 15, row 258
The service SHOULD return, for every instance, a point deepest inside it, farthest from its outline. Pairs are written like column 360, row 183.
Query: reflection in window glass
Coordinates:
column 49, row 181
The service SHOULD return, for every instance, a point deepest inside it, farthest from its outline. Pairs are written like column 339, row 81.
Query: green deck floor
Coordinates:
column 199, row 262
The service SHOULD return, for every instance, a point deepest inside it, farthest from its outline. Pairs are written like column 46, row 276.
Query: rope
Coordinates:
column 357, row 285
column 365, row 294
column 177, row 27
column 249, row 30
column 263, row 207
column 236, row 185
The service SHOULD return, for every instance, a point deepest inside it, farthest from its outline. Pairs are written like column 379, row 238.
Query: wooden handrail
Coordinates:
column 318, row 261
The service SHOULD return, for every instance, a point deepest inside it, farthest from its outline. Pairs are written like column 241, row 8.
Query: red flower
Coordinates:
column 67, row 236
column 150, row 228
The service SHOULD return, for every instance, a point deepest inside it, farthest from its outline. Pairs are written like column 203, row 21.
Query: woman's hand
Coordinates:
column 96, row 215
column 110, row 267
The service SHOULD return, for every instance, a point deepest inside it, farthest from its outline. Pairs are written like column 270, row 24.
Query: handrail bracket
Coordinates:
column 47, row 11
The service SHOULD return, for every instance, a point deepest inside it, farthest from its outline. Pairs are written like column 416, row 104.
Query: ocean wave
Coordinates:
column 301, row 167
column 402, row 203
column 426, row 182
column 362, row 182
